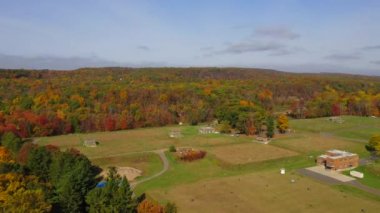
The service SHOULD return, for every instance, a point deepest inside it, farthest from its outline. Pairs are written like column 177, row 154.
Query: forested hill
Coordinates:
column 42, row 102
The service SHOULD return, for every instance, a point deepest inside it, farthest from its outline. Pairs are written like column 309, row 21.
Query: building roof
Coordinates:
column 337, row 154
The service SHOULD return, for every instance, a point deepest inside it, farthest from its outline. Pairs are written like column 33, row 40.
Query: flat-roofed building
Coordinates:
column 338, row 160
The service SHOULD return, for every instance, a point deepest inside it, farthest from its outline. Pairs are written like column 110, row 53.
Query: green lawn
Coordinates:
column 371, row 175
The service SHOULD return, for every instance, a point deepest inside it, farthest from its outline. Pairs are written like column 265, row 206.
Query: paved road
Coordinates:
column 165, row 168
column 333, row 181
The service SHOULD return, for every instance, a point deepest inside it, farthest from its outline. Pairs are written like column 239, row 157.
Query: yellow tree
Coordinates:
column 282, row 123
column 5, row 155
column 19, row 193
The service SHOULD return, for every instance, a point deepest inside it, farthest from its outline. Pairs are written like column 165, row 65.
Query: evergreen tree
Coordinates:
column 39, row 160
column 73, row 187
column 12, row 142
column 270, row 127
column 116, row 196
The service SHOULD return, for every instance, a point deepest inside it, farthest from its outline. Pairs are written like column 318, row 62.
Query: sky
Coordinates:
column 289, row 35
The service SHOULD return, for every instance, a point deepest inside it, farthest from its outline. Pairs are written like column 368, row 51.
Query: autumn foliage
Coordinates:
column 42, row 103
column 148, row 206
column 191, row 154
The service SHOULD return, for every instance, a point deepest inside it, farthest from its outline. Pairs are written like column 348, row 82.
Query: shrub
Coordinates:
column 148, row 206
column 171, row 208
column 172, row 148
column 191, row 155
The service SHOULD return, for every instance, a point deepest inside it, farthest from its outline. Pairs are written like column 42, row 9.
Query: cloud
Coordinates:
column 245, row 47
column 343, row 57
column 372, row 47
column 207, row 48
column 276, row 33
column 376, row 62
column 143, row 47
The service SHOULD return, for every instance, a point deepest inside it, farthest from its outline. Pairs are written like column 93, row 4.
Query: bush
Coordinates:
column 224, row 127
column 172, row 148
column 171, row 208
column 191, row 155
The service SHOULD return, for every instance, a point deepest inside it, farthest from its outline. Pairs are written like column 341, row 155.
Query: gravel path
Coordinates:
column 165, row 168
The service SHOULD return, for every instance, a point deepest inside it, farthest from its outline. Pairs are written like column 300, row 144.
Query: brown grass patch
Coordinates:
column 249, row 152
column 263, row 192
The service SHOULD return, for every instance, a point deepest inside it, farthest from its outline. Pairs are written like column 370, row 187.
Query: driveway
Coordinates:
column 330, row 173
column 335, row 178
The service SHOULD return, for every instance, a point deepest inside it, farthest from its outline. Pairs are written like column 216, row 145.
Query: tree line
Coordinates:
column 42, row 103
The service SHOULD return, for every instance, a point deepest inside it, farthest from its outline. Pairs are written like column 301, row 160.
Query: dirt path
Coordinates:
column 165, row 168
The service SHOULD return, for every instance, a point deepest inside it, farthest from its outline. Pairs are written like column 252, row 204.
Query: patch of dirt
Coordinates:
column 129, row 172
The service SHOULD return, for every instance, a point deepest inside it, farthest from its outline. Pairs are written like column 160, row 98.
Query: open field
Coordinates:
column 353, row 127
column 317, row 143
column 248, row 153
column 264, row 192
column 237, row 175
column 139, row 140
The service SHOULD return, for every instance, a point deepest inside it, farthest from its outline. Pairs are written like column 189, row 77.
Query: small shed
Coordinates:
column 207, row 130
column 338, row 120
column 90, row 143
column 175, row 133
column 263, row 140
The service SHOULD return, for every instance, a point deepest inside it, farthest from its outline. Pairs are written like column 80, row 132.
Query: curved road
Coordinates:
column 165, row 168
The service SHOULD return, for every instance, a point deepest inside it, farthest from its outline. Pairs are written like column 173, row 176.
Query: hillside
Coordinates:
column 43, row 102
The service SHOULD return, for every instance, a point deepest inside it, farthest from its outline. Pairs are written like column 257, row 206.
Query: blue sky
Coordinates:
column 293, row 35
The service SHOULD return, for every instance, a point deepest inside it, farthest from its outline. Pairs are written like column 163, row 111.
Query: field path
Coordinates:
column 165, row 168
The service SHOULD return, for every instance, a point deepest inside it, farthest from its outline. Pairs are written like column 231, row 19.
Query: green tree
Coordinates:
column 270, row 127
column 73, row 187
column 39, row 160
column 12, row 142
column 373, row 145
column 116, row 196
column 224, row 127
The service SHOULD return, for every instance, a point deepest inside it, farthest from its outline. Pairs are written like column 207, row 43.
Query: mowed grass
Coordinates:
column 316, row 143
column 148, row 163
column 249, row 152
column 353, row 127
column 139, row 140
column 264, row 192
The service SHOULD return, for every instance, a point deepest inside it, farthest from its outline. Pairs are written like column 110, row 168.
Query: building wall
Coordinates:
column 339, row 163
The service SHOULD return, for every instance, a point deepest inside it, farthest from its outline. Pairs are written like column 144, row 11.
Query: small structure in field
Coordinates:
column 90, row 143
column 175, row 133
column 282, row 171
column 338, row 120
column 207, row 130
column 356, row 174
column 262, row 140
column 338, row 160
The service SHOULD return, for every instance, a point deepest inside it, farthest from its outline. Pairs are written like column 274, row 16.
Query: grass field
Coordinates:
column 238, row 175
column 264, row 192
column 249, row 152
